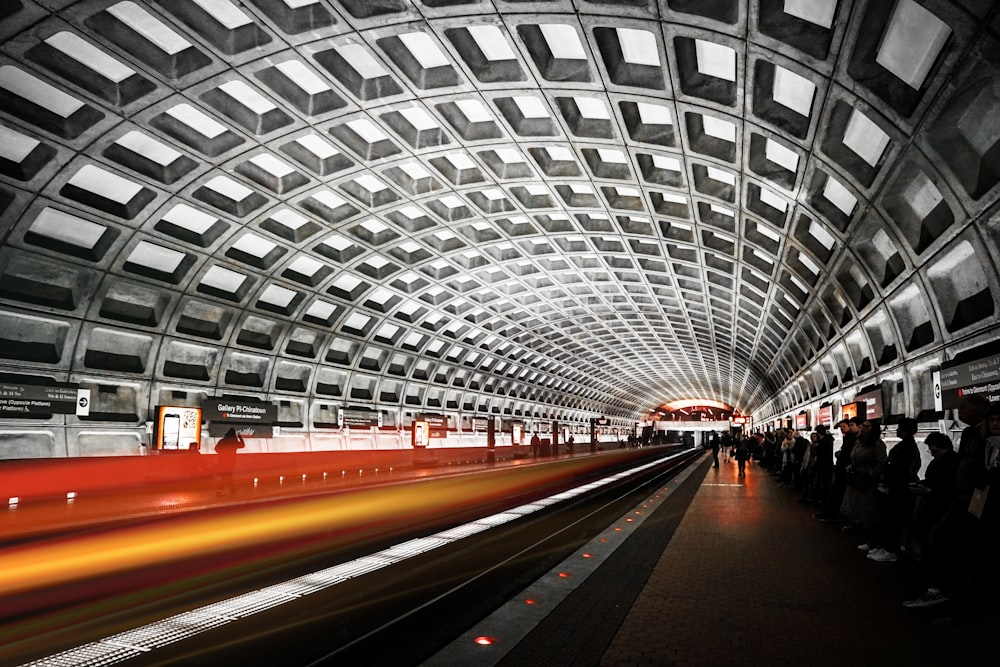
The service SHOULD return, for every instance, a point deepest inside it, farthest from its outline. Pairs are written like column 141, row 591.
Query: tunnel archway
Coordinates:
column 546, row 210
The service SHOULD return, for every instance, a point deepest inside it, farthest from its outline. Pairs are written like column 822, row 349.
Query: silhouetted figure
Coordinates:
column 226, row 449
column 742, row 454
column 900, row 471
column 822, row 465
column 953, row 538
column 868, row 460
column 536, row 443
column 849, row 428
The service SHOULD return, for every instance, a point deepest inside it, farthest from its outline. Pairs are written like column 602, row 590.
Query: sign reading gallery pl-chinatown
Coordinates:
column 18, row 400
column 223, row 410
column 437, row 424
column 952, row 382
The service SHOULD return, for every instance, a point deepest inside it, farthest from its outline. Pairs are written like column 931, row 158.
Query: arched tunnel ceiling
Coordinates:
column 598, row 206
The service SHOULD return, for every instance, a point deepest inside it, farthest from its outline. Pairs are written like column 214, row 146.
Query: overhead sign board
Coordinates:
column 19, row 400
column 360, row 418
column 437, row 425
column 981, row 376
column 222, row 410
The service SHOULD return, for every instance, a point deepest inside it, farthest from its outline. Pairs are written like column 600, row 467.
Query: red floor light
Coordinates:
column 585, row 555
column 485, row 641
column 629, row 520
column 604, row 540
column 529, row 601
column 565, row 575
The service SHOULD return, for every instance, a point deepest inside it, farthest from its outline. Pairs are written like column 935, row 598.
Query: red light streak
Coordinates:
column 179, row 544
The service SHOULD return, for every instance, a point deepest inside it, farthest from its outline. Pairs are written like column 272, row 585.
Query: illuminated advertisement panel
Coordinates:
column 826, row 415
column 801, row 422
column 516, row 434
column 177, row 427
column 849, row 411
column 869, row 405
column 421, row 434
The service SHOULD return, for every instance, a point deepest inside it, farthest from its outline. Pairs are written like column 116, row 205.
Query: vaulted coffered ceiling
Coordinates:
column 494, row 206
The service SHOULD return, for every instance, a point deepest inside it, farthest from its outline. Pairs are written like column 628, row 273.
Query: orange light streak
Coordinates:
column 62, row 561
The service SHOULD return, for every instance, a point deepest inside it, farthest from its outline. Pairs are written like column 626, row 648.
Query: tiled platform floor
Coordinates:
column 750, row 578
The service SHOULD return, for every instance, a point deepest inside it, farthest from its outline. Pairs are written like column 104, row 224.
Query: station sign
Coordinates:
column 225, row 411
column 981, row 376
column 359, row 418
column 437, row 425
column 480, row 424
column 19, row 400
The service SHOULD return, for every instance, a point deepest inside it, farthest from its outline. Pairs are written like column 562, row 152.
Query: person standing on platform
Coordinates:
column 822, row 466
column 742, row 454
column 226, row 449
column 787, row 457
column 536, row 443
column 933, row 496
column 849, row 428
column 901, row 469
column 953, row 537
column 715, row 450
column 868, row 460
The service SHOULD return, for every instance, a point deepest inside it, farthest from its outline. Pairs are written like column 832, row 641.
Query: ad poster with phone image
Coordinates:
column 177, row 427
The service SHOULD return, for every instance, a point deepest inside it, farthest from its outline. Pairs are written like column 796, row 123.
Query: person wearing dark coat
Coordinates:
column 953, row 537
column 902, row 465
column 742, row 454
column 822, row 465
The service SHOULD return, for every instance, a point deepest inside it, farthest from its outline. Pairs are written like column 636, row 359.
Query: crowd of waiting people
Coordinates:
column 944, row 523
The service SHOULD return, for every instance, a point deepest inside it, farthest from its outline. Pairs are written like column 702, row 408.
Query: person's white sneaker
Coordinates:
column 864, row 547
column 874, row 552
column 883, row 556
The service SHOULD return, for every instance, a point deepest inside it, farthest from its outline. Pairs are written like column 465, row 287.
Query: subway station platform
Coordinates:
column 726, row 570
